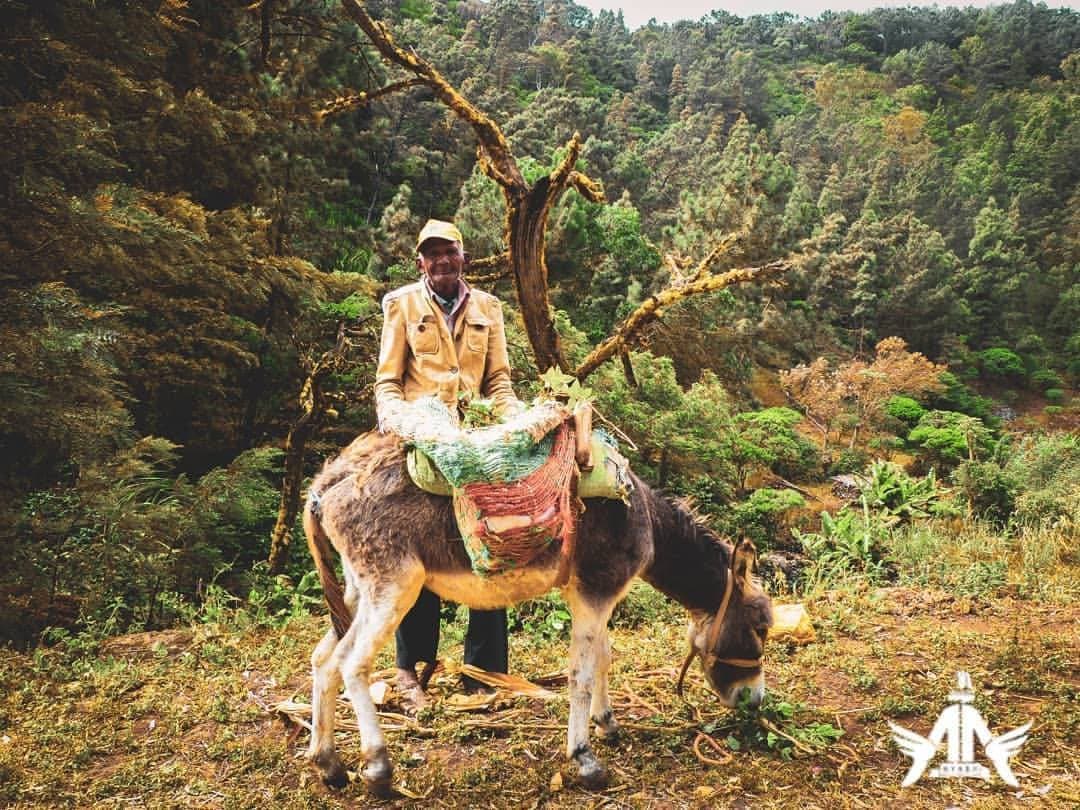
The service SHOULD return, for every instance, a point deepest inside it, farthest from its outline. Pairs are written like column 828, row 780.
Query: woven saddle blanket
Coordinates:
column 516, row 486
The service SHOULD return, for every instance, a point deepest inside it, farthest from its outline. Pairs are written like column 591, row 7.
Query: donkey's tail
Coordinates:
column 322, row 551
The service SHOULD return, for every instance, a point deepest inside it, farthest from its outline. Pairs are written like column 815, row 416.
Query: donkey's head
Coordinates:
column 731, row 641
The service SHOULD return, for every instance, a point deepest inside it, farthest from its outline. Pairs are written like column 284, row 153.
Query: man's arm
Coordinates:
column 393, row 355
column 497, row 366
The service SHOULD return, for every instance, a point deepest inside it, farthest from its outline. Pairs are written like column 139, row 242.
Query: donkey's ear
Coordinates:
column 744, row 561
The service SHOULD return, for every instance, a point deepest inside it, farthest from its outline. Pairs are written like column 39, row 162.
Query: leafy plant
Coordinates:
column 1045, row 378
column 905, row 409
column 947, row 438
column 546, row 618
column 564, row 387
column 853, row 542
column 898, row 497
column 277, row 600
column 774, row 726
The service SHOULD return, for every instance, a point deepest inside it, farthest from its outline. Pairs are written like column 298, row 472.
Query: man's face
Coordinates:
column 442, row 262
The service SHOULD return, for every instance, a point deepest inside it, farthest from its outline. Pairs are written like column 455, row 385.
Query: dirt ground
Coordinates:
column 192, row 718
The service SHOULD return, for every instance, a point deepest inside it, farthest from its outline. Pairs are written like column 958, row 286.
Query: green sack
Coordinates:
column 610, row 475
column 425, row 474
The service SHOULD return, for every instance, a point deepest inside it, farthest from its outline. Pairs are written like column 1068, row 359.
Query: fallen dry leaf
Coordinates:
column 470, row 703
column 511, row 683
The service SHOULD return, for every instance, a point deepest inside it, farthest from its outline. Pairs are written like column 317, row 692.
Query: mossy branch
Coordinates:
column 499, row 261
column 487, row 131
column 495, row 260
column 586, row 187
column 351, row 101
column 652, row 309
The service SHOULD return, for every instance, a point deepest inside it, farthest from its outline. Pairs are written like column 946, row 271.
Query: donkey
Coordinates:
column 394, row 538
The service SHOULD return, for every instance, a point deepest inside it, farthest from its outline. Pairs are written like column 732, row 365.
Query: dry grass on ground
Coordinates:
column 186, row 718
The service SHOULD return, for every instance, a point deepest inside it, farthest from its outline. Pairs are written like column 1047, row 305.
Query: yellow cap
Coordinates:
column 438, row 229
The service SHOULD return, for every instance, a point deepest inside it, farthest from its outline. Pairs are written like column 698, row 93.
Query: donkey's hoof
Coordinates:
column 331, row 770
column 591, row 772
column 378, row 774
column 608, row 729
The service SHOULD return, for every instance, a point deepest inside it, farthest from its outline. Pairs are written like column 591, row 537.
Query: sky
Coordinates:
column 638, row 12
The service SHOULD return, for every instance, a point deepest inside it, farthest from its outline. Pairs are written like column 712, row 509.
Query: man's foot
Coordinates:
column 412, row 694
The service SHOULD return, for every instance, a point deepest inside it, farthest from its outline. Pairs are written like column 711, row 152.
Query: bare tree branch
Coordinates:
column 652, row 309
column 489, row 278
column 496, row 260
column 351, row 101
column 487, row 132
column 314, row 406
column 500, row 261
column 586, row 187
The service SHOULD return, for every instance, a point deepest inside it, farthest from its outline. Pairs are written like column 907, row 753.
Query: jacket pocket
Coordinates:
column 476, row 334
column 424, row 335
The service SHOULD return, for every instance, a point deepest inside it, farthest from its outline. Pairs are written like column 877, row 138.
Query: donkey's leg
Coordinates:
column 379, row 612
column 588, row 636
column 325, row 682
column 600, row 709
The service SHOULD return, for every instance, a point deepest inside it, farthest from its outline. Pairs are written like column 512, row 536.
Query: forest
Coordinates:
column 204, row 202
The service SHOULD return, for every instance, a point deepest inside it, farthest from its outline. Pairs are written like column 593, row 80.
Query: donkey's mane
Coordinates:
column 691, row 526
column 689, row 557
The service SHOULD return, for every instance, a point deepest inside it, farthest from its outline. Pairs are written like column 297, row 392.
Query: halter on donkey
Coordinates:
column 393, row 539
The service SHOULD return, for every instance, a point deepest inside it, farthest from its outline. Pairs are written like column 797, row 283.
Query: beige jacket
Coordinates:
column 419, row 357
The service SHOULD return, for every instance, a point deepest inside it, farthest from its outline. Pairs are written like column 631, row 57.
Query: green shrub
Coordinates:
column 1035, row 482
column 761, row 516
column 946, row 438
column 1002, row 362
column 1053, row 410
column 1055, row 396
column 1072, row 355
column 989, row 489
column 851, row 460
column 1047, row 468
column 956, row 396
column 1045, row 378
column 905, row 409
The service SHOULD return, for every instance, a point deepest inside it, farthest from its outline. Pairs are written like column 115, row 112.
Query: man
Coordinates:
column 441, row 337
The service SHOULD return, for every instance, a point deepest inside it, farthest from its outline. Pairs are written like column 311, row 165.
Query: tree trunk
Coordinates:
column 267, row 15
column 314, row 403
column 289, row 506
column 628, row 369
column 527, row 221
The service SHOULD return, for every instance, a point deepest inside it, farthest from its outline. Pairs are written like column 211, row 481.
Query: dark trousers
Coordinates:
column 418, row 636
